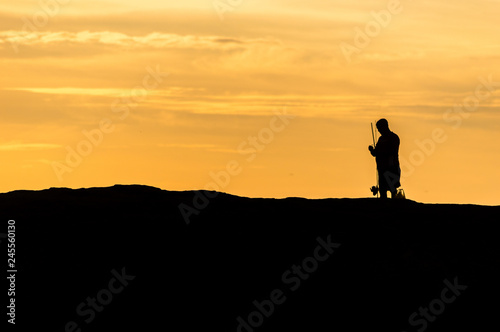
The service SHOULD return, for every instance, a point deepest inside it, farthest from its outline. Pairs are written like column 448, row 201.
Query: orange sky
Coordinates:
column 174, row 94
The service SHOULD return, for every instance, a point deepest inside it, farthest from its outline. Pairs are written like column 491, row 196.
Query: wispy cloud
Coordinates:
column 110, row 38
column 186, row 146
column 170, row 91
column 18, row 146
column 206, row 147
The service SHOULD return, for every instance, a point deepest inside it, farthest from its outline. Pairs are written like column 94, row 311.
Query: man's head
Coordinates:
column 383, row 126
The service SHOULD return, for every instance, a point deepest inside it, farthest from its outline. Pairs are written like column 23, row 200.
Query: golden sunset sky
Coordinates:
column 172, row 94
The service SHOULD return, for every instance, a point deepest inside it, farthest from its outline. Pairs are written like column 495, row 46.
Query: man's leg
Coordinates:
column 392, row 182
column 383, row 193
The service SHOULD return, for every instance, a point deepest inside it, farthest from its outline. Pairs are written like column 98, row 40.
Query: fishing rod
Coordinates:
column 373, row 134
column 374, row 189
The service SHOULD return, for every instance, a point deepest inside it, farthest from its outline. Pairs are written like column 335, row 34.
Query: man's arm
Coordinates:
column 395, row 145
column 373, row 150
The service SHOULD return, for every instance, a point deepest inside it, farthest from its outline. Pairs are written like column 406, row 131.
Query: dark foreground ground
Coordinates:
column 124, row 259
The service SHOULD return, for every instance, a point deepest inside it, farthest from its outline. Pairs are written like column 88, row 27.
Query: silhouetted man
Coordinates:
column 386, row 154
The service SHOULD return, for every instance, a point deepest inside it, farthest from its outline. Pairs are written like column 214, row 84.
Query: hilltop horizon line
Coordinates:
column 144, row 186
